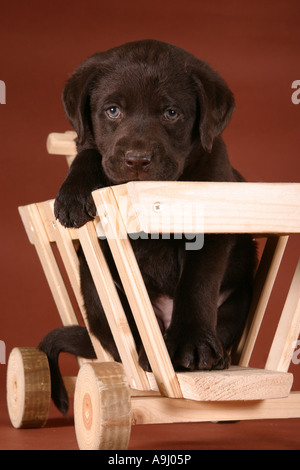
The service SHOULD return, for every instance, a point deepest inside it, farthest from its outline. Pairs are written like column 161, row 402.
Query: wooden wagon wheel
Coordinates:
column 102, row 411
column 28, row 388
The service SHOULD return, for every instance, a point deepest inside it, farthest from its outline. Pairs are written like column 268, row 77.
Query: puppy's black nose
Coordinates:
column 137, row 161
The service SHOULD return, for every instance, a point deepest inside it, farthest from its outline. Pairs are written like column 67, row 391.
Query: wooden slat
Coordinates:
column 264, row 282
column 38, row 235
column 61, row 236
column 189, row 207
column 136, row 294
column 288, row 329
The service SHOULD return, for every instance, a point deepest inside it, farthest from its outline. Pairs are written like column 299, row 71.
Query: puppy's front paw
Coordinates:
column 74, row 209
column 199, row 351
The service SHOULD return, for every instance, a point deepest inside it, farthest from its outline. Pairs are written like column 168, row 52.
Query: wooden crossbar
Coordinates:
column 189, row 207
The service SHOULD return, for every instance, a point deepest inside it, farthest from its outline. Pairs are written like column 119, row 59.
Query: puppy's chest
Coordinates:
column 160, row 264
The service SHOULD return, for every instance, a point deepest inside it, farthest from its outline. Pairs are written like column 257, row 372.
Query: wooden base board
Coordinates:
column 235, row 383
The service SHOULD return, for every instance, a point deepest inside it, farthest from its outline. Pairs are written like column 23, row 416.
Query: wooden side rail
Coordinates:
column 125, row 206
column 170, row 207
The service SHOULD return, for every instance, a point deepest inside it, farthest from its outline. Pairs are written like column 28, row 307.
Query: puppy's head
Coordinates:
column 147, row 107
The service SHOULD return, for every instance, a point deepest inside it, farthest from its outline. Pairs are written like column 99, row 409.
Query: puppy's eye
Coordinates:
column 114, row 112
column 170, row 115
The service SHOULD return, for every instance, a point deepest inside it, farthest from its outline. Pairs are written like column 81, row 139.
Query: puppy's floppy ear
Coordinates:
column 216, row 103
column 76, row 98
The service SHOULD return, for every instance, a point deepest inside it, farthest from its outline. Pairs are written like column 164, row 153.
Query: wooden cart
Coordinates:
column 109, row 397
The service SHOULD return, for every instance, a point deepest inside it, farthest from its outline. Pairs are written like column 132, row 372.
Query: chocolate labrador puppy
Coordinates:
column 151, row 111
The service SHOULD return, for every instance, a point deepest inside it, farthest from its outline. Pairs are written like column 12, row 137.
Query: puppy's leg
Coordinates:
column 74, row 205
column 71, row 339
column 236, row 295
column 232, row 315
column 192, row 338
column 96, row 316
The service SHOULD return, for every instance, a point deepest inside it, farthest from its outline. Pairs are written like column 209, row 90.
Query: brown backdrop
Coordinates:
column 255, row 46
